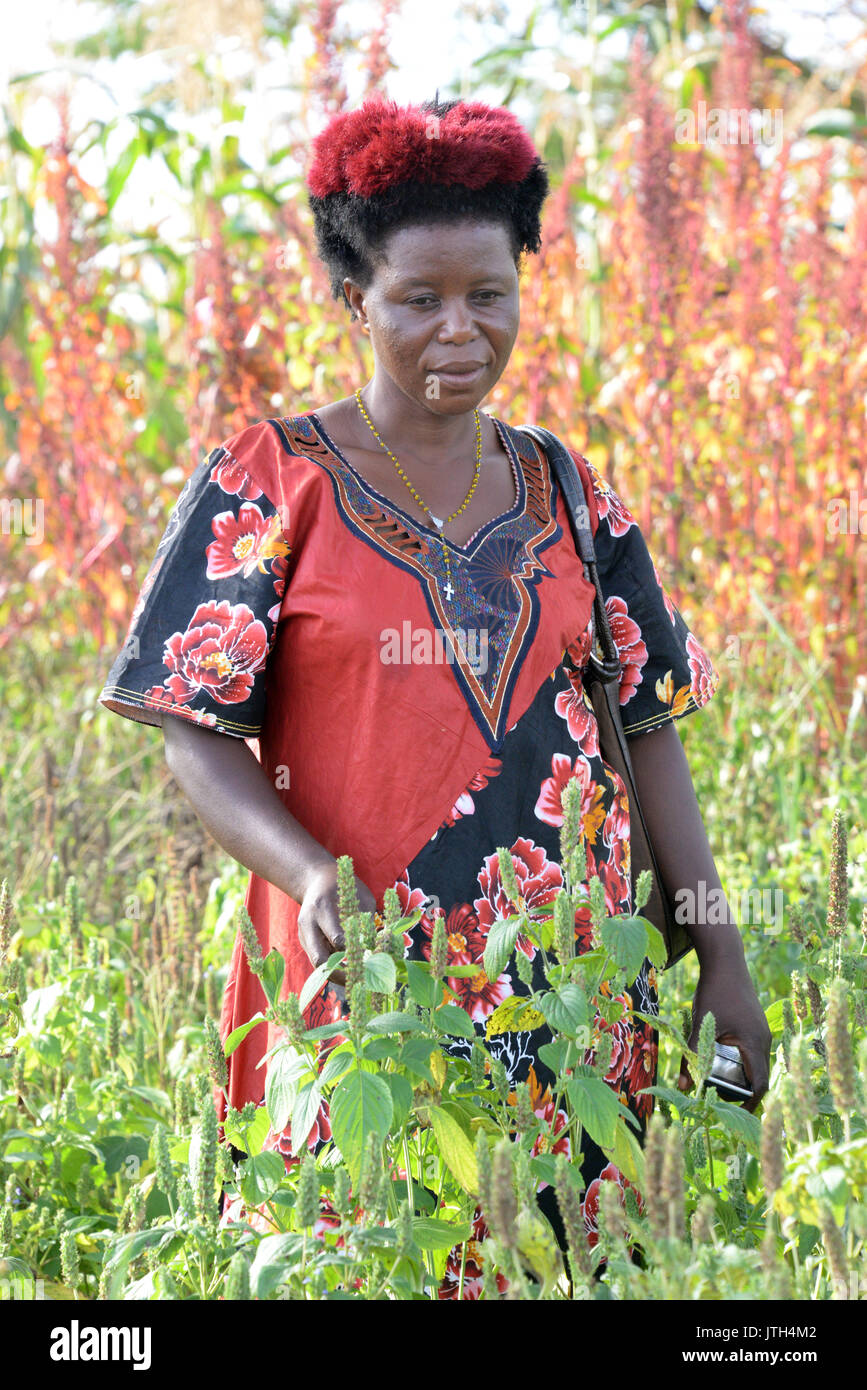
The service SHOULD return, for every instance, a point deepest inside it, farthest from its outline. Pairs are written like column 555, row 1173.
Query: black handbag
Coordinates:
column 601, row 678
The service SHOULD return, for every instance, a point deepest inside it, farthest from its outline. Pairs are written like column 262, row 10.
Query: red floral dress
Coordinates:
column 247, row 594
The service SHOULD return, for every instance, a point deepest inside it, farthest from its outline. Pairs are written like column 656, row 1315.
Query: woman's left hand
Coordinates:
column 726, row 990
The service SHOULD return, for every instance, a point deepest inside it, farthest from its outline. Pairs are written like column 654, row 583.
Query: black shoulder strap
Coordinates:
column 564, row 470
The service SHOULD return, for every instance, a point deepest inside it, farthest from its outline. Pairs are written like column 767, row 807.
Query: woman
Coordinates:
column 386, row 594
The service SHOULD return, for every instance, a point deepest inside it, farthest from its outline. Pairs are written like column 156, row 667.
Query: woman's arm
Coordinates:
column 240, row 807
column 680, row 843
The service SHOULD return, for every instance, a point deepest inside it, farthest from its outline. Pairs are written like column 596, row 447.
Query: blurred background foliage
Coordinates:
column 695, row 325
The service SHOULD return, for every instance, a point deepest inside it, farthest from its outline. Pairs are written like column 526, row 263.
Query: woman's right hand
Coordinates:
column 319, row 929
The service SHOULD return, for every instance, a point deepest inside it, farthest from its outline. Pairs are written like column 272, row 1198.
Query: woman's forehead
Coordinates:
column 425, row 247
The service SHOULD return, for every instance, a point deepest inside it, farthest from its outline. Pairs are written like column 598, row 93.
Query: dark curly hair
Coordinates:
column 351, row 228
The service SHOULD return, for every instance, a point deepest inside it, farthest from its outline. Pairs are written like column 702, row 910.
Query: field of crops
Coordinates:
column 113, row 962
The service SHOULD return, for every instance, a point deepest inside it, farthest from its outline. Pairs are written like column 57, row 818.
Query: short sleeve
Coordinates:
column 206, row 615
column 665, row 671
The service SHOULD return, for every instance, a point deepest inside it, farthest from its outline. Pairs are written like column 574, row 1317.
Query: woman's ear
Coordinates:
column 355, row 299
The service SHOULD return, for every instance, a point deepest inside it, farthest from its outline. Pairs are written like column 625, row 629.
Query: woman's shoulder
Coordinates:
column 274, row 452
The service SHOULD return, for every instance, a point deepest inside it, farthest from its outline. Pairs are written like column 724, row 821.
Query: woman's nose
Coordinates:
column 458, row 324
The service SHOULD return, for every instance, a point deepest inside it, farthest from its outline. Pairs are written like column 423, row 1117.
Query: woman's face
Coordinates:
column 442, row 311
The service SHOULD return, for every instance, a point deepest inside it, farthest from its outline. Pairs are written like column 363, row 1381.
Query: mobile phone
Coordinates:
column 728, row 1075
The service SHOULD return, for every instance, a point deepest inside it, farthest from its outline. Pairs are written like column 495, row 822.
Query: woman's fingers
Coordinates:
column 316, row 946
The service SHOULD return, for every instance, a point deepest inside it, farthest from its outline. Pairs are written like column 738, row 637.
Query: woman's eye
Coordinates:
column 423, row 300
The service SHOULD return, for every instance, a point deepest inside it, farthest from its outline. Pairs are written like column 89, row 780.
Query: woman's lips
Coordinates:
column 460, row 379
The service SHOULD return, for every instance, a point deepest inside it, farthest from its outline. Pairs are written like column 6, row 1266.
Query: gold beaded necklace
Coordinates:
column 438, row 522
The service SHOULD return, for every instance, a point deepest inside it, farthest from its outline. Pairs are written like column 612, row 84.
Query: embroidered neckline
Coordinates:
column 467, row 548
column 496, row 579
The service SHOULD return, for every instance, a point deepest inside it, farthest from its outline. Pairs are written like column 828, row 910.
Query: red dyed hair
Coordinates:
column 367, row 151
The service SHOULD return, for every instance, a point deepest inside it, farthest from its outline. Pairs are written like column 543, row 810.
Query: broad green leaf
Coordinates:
column 456, row 1149
column 379, row 972
column 424, row 989
column 451, row 1019
column 627, row 1155
column 625, row 939
column 401, row 1097
column 360, row 1106
column 656, row 950
column 738, row 1121
column 261, row 1176
column 553, row 1054
column 415, row 1057
column 422, row 1200
column 281, row 1084
column 314, row 983
column 429, row 1233
column 304, row 1113
column 597, row 1107
column 500, row 945
column 395, row 1022
column 681, row 1100
column 274, row 1261
column 126, row 1249
column 271, row 978
column 237, row 1036
column 337, row 1063
column 565, row 1009
column 324, row 1030
column 249, row 1138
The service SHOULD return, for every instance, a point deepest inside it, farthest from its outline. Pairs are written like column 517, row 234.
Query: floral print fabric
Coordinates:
column 516, row 800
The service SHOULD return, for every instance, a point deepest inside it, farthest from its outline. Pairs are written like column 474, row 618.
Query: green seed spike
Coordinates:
column 500, row 1079
column 340, row 1192
column 508, row 877
column 672, row 1182
column 705, row 1046
column 772, row 1158
column 206, row 1169
column 504, row 1207
column 838, row 884
column 803, row 1096
column 347, row 890
column 572, row 827
column 5, row 1229
column 478, row 1069
column 564, row 927
column 524, row 1116
column 69, row 1266
column 307, row 1198
column 598, row 905
column 5, row 921
column 217, row 1065
column 354, row 951
column 838, row 1043
column 182, row 1105
column 654, row 1155
column 568, row 1202
column 250, row 939
column 237, row 1285
column 165, row 1179
column 835, row 1251
column 524, row 967
column 703, row 1221
column 391, row 907
column 439, row 949
column 112, row 1031
column 483, row 1167
column 403, row 1226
